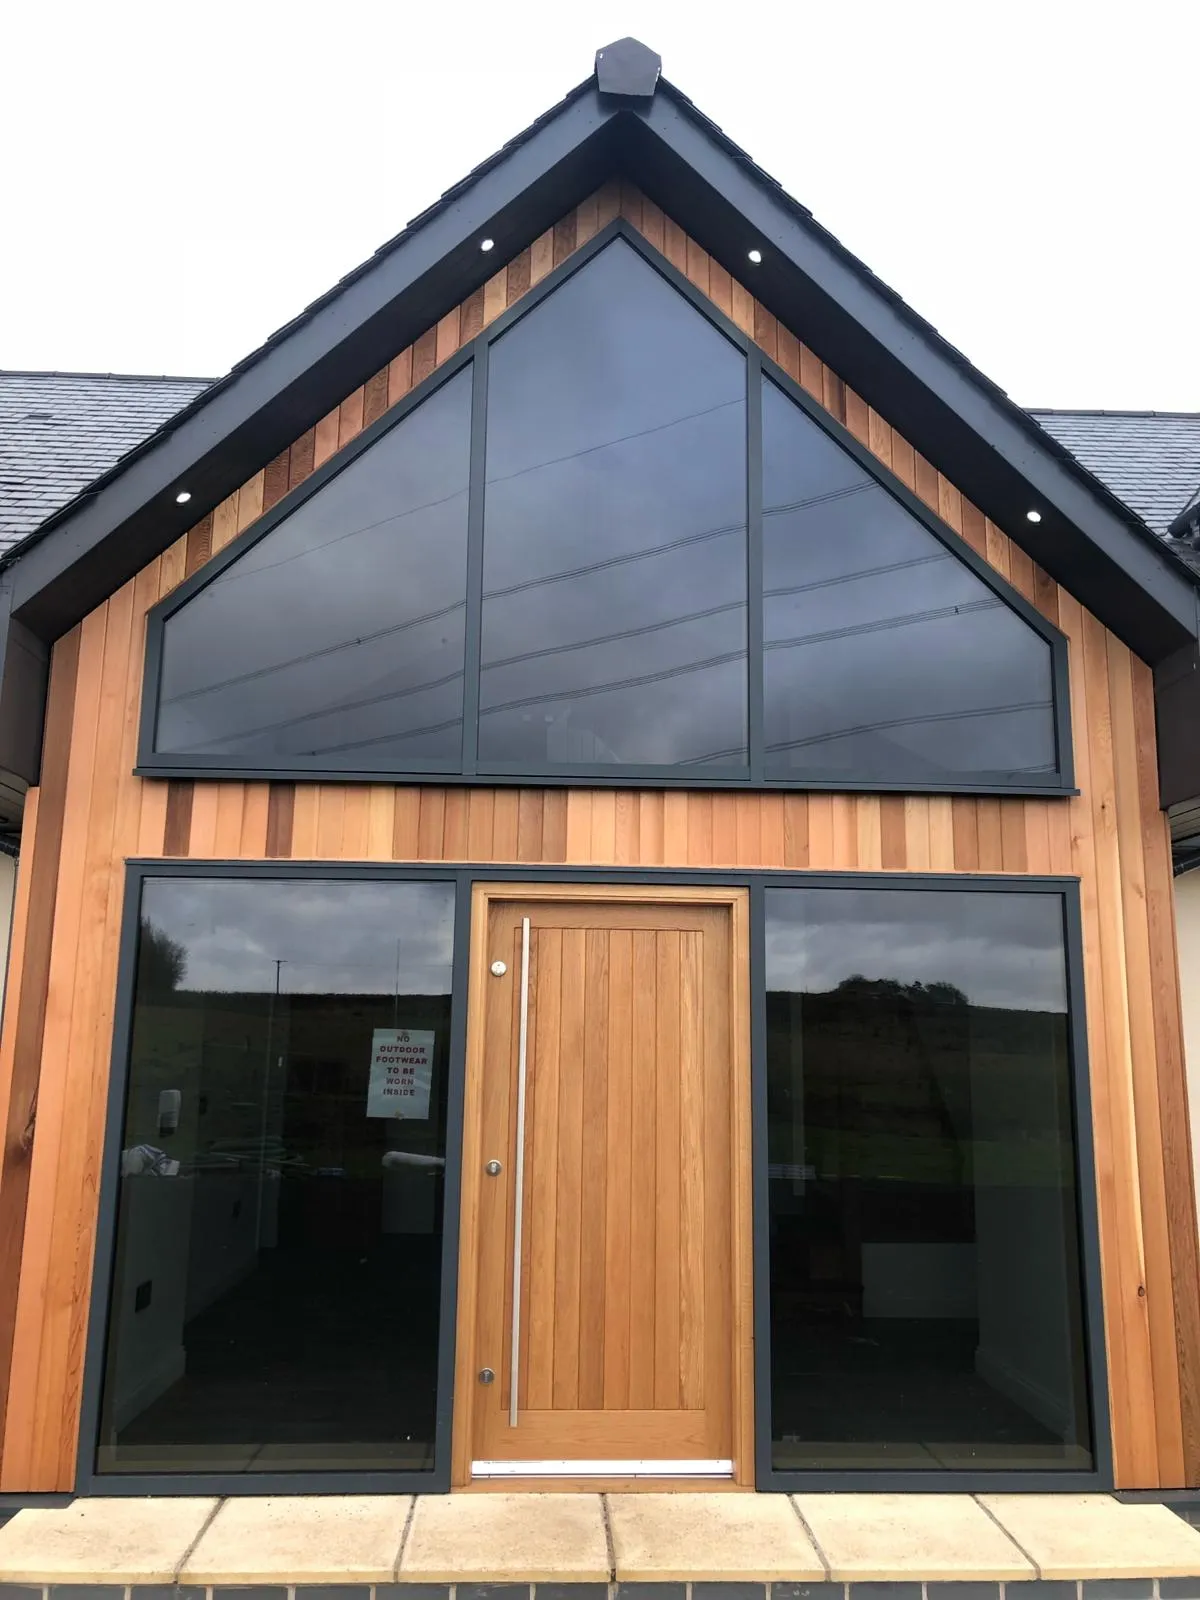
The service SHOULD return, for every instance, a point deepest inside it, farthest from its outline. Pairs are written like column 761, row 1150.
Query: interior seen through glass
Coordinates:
column 926, row 1308
column 279, row 1223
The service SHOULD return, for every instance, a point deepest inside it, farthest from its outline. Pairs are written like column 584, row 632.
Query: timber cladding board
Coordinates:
column 635, row 1336
column 1111, row 836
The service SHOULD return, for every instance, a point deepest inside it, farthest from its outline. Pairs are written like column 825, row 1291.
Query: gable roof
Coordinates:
column 59, row 431
column 1151, row 459
column 1000, row 457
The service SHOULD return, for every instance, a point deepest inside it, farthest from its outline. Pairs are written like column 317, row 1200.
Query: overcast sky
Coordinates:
column 331, row 937
column 999, row 949
column 179, row 180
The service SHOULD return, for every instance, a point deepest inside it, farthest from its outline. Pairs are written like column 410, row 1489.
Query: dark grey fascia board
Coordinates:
column 951, row 413
column 24, row 674
column 1177, row 712
column 258, row 411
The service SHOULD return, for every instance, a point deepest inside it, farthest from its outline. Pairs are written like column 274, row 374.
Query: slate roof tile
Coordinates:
column 1149, row 459
column 60, row 430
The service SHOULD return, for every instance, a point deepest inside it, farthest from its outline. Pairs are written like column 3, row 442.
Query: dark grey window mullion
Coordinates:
column 1064, row 748
column 475, row 507
column 754, row 561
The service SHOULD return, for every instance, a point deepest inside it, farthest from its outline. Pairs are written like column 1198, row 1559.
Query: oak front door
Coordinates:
column 604, row 1329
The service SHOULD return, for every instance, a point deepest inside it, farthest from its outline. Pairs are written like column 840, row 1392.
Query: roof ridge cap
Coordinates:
column 1093, row 411
column 123, row 377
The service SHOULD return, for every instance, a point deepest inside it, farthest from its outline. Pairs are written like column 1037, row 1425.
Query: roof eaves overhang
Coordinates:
column 107, row 534
column 1001, row 459
column 997, row 455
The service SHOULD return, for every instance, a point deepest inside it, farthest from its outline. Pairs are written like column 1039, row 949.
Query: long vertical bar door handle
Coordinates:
column 519, row 1177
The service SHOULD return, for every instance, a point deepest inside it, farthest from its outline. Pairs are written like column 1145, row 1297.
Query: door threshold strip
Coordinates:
column 602, row 1469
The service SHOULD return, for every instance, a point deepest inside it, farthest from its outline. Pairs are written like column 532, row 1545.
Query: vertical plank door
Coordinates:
column 606, row 1214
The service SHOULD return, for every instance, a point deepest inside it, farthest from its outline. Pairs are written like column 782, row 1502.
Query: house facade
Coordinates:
column 596, row 896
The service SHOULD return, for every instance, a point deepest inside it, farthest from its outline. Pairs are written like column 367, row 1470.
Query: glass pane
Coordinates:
column 338, row 638
column 926, row 1298
column 885, row 656
column 277, row 1281
column 614, row 613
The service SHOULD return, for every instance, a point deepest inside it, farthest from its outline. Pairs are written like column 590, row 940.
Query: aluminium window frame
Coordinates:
column 1095, row 1376
column 959, row 1480
column 752, row 774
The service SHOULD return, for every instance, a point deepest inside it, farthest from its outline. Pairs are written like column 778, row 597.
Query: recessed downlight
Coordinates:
column 755, row 256
column 1033, row 516
column 487, row 244
column 182, row 498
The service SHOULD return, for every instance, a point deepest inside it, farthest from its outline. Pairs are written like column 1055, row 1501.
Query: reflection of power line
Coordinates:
column 614, row 684
column 643, row 553
column 638, row 555
column 853, row 577
column 884, row 624
column 1020, row 708
column 613, row 638
column 316, row 655
column 238, row 572
column 394, row 737
column 558, row 695
column 233, row 573
column 733, row 753
column 339, row 709
column 609, row 444
column 786, row 506
column 407, row 692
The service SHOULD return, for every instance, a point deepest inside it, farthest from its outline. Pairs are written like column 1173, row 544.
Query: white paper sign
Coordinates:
column 401, row 1073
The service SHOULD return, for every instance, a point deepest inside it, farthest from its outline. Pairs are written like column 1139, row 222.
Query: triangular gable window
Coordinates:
column 337, row 640
column 557, row 560
column 883, row 652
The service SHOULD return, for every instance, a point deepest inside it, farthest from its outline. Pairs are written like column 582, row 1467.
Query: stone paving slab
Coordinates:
column 1095, row 1536
column 506, row 1538
column 869, row 1537
column 102, row 1541
column 655, row 1546
column 300, row 1539
column 663, row 1537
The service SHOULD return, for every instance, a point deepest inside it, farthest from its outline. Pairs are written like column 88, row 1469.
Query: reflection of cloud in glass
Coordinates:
column 332, row 937
column 614, row 622
column 309, row 638
column 1000, row 949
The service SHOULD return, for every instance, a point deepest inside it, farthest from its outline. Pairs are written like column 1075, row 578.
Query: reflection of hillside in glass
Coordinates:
column 277, row 1277
column 926, row 1307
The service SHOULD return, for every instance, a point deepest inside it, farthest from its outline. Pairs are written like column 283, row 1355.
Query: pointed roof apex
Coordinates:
column 627, row 68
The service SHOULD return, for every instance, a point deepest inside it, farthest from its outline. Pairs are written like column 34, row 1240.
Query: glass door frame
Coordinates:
column 89, row 1482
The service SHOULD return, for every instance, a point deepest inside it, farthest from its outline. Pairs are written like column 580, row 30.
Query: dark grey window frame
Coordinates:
column 767, row 1476
column 152, row 763
column 88, row 1481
